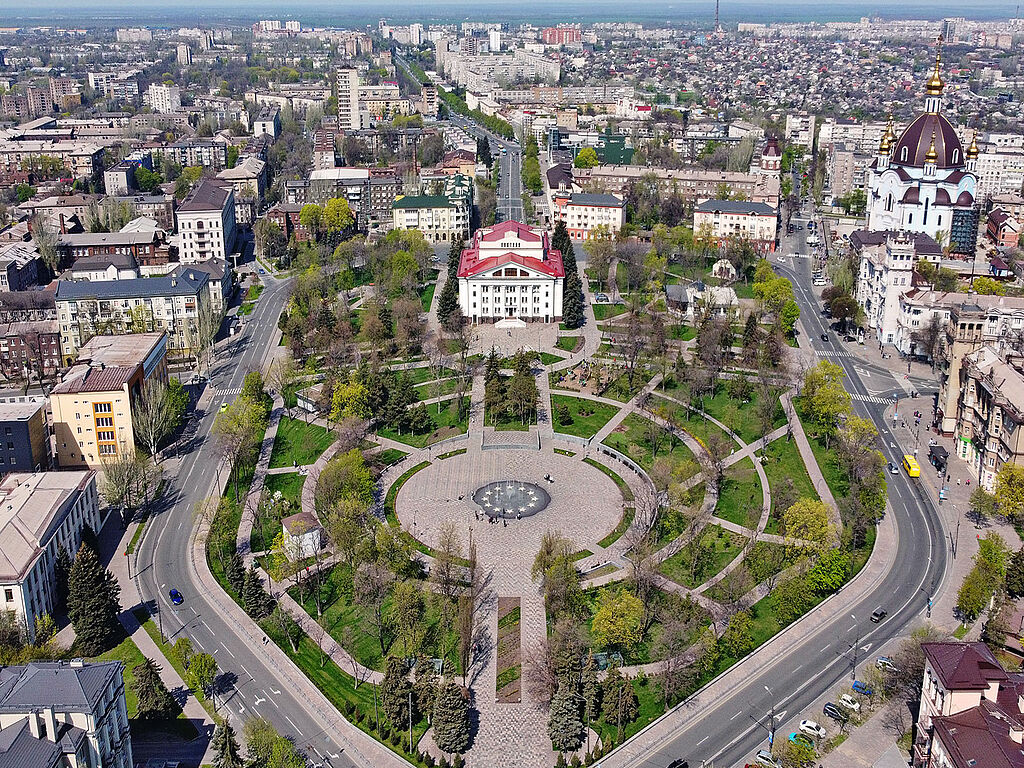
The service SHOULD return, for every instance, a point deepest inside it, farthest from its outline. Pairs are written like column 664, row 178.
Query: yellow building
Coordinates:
column 92, row 406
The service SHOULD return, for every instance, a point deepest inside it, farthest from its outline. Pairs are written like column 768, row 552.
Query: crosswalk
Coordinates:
column 873, row 399
column 231, row 392
column 833, row 353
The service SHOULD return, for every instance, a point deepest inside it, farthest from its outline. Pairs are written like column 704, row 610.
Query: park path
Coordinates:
column 252, row 498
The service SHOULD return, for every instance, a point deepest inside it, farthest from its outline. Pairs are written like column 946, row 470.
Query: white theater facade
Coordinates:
column 510, row 271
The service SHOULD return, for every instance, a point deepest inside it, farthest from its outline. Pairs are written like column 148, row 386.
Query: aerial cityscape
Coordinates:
column 542, row 386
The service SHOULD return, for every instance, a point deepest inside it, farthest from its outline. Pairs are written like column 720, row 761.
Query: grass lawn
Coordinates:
column 586, row 417
column 827, row 458
column 290, row 486
column 691, row 422
column 254, row 292
column 567, row 343
column 672, row 522
column 627, row 492
column 414, row 376
column 298, row 443
column 604, row 311
column 719, row 546
column 787, row 476
column 739, row 416
column 624, row 523
column 129, row 654
column 435, row 389
column 633, row 438
column 387, row 457
column 427, row 295
column 619, row 388
column 681, row 332
column 446, row 424
column 650, row 709
column 740, row 497
column 548, row 358
column 763, row 560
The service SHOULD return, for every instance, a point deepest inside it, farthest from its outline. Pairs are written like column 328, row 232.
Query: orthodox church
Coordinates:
column 925, row 181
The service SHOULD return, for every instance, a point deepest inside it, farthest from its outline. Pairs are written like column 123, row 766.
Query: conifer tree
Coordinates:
column 155, row 701
column 93, row 604
column 564, row 724
column 254, row 598
column 451, row 719
column 225, row 747
column 235, row 573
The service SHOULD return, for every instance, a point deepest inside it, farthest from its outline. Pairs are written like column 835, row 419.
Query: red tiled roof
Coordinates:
column 109, row 379
column 500, row 230
column 471, row 264
column 963, row 666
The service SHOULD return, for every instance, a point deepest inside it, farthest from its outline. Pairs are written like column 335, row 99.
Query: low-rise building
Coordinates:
column 139, row 245
column 112, row 266
column 267, row 122
column 723, row 220
column 66, row 714
column 441, row 219
column 30, row 347
column 206, row 222
column 510, row 270
column 25, row 445
column 302, row 535
column 585, row 212
column 220, row 284
column 41, row 513
column 1003, row 229
column 92, row 407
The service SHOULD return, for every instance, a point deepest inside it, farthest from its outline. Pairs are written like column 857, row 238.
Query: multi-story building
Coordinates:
column 29, row 347
column 169, row 304
column 139, row 245
column 81, row 159
column 220, row 285
column 1002, row 228
column 348, row 99
column 116, row 86
column 196, row 152
column 184, row 54
column 441, row 219
column 206, row 222
column 267, row 122
column 25, row 445
column 560, row 35
column 19, row 266
column 134, row 35
column 159, row 207
column 694, row 184
column 163, row 98
column 249, row 180
column 722, row 220
column 42, row 512
column 975, row 321
column 585, row 212
column 286, row 216
column 65, row 714
column 846, row 169
column 510, row 270
column 65, row 93
column 92, row 407
column 800, row 129
column 971, row 713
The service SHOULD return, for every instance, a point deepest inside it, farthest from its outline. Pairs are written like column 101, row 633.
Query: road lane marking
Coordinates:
column 825, row 648
column 703, row 740
column 294, row 725
column 736, row 715
column 227, row 649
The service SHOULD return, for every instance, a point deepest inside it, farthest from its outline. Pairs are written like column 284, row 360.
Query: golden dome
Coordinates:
column 888, row 137
column 931, row 156
column 934, row 85
column 972, row 151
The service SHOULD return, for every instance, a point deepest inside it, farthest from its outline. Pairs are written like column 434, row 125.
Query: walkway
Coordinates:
column 252, row 499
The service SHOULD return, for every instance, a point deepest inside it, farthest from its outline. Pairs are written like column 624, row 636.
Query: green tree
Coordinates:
column 451, row 719
column 823, row 396
column 572, row 302
column 973, row 596
column 1010, row 491
column 1015, row 574
column 788, row 316
column 586, row 158
column 147, row 180
column 256, row 601
column 619, row 620
column 448, row 303
column 337, row 215
column 155, row 702
column 350, row 400
column 93, row 605
column 565, row 727
column 225, row 747
column 807, row 519
column 619, row 700
column 235, row 573
column 738, row 640
column 311, row 217
column 202, row 673
column 394, row 693
column 987, row 286
column 829, row 571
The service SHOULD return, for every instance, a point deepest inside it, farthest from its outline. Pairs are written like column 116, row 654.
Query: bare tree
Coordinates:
column 200, row 334
column 445, row 573
column 152, row 416
column 126, row 480
column 372, row 587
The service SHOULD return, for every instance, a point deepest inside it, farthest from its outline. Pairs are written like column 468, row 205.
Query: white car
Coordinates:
column 811, row 728
column 780, row 260
column 850, row 703
column 764, row 758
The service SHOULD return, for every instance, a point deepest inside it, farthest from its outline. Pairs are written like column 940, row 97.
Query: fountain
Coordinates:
column 511, row 499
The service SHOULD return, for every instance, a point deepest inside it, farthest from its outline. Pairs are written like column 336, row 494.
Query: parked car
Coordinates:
column 223, row 407
column 831, row 710
column 764, row 757
column 799, row 738
column 176, row 597
column 885, row 664
column 878, row 614
column 850, row 703
column 812, row 728
column 862, row 688
column 679, row 763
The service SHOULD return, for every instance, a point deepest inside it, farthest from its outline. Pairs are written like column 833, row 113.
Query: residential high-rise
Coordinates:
column 348, row 99
column 164, row 98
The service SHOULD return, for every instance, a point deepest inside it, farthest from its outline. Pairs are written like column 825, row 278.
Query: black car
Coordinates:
column 831, row 710
column 878, row 614
column 824, row 337
column 679, row 763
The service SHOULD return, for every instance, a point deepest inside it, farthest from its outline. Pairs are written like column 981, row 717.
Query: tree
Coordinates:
column 1010, row 491
column 788, row 316
column 1015, row 575
column 45, row 238
column 737, row 639
column 153, row 415
column 565, row 727
column 824, row 397
column 126, row 480
column 93, row 604
column 987, row 286
column 451, row 719
column 311, row 218
column 983, row 506
column 829, row 571
column 973, row 596
column 202, row 673
column 225, row 747
column 619, row 621
column 155, row 702
column 807, row 519
column 337, row 216
column 619, row 700
column 239, row 431
column 586, row 158
column 394, row 692
column 255, row 599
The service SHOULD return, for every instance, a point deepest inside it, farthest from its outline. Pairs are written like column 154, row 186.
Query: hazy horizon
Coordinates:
column 362, row 12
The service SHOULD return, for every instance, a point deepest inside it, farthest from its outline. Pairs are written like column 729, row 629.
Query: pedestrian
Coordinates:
column 958, row 482
column 968, row 482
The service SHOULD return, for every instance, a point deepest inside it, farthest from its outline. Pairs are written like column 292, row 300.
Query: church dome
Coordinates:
column 912, row 147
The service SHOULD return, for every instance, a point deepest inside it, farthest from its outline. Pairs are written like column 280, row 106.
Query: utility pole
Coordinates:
column 410, row 722
column 771, row 728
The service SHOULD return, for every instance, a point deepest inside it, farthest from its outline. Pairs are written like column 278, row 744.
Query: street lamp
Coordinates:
column 853, row 668
column 771, row 729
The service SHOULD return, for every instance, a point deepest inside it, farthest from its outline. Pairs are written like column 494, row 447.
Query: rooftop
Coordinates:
column 30, row 506
column 736, row 206
column 94, row 239
column 188, row 284
column 964, row 666
column 129, row 349
column 19, row 411
column 423, row 201
column 75, row 686
column 209, row 195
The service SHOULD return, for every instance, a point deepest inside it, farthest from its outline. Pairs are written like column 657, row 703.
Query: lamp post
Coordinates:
column 853, row 666
column 771, row 728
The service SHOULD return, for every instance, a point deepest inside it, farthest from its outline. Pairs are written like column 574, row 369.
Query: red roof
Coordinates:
column 471, row 264
column 964, row 666
column 498, row 231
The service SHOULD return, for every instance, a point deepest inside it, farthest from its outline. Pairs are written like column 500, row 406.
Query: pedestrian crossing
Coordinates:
column 873, row 399
column 833, row 353
column 231, row 392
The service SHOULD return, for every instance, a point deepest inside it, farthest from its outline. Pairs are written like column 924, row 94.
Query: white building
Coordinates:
column 267, row 122
column 510, row 270
column 185, row 54
column 302, row 535
column 800, row 129
column 722, row 220
column 65, row 713
column 441, row 218
column 886, row 272
column 163, row 98
column 40, row 514
column 924, row 181
column 206, row 222
column 348, row 99
column 584, row 212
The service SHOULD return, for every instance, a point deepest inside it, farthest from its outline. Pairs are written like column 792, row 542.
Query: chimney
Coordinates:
column 63, row 225
column 51, row 724
column 33, row 724
column 174, row 281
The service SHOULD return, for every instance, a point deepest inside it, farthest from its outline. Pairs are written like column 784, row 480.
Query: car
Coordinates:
column 878, row 614
column 831, row 710
column 799, row 226
column 262, row 271
column 223, row 407
column 862, row 688
column 764, row 757
column 176, row 597
column 780, row 260
column 679, row 763
column 799, row 738
column 850, row 703
column 824, row 337
column 435, row 258
column 811, row 728
column 886, row 664
column 893, row 469
column 197, row 379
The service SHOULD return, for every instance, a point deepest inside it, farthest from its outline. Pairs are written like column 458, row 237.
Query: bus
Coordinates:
column 911, row 466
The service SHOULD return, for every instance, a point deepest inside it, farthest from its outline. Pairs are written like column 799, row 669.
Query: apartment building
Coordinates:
column 116, row 86
column 66, row 714
column 80, row 158
column 141, row 246
column 220, row 284
column 24, row 436
column 92, row 406
column 348, row 98
column 196, row 152
column 723, row 220
column 441, row 219
column 1002, row 228
column 585, row 212
column 169, row 304
column 20, row 264
column 695, row 185
column 800, row 129
column 510, row 270
column 267, row 122
column 249, row 180
column 41, row 513
column 163, row 98
column 29, row 347
column 886, row 272
column 206, row 222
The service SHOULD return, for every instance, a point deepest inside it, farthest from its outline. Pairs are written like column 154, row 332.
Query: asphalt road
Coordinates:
column 731, row 731
column 510, row 179
column 162, row 561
